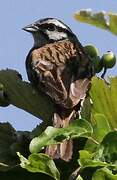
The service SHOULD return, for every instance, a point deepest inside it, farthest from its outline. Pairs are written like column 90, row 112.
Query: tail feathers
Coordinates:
column 64, row 150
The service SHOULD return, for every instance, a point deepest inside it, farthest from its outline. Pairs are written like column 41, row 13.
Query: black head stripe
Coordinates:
column 46, row 22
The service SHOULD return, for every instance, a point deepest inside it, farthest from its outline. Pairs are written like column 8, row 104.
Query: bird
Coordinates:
column 58, row 66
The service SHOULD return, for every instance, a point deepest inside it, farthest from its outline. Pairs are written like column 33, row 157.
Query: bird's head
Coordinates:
column 48, row 30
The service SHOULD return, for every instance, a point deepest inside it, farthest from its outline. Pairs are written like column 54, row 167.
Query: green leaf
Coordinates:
column 101, row 127
column 52, row 135
column 107, row 151
column 87, row 160
column 79, row 178
column 22, row 95
column 96, row 19
column 104, row 156
column 41, row 163
column 104, row 20
column 113, row 22
column 104, row 174
column 104, row 98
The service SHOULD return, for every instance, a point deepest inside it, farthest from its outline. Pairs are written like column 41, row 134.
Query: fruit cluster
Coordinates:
column 108, row 60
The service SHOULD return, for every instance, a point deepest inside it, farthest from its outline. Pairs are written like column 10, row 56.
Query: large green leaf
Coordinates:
column 104, row 111
column 107, row 21
column 105, row 156
column 100, row 126
column 104, row 174
column 41, row 163
column 107, row 150
column 87, row 160
column 52, row 135
column 104, row 97
column 22, row 95
column 100, row 129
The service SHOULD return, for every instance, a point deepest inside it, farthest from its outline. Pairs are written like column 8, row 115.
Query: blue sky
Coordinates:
column 16, row 43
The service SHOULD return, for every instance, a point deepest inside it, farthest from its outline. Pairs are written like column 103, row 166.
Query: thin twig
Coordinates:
column 104, row 72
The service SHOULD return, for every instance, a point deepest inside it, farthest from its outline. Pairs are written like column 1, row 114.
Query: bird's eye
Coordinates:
column 50, row 27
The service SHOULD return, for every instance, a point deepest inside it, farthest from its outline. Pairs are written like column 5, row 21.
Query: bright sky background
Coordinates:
column 16, row 43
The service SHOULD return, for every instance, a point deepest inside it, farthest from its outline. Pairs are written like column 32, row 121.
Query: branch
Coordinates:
column 22, row 95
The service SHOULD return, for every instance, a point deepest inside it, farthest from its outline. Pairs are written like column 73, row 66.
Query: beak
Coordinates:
column 31, row 28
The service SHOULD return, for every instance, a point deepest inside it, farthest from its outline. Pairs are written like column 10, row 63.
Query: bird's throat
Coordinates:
column 39, row 40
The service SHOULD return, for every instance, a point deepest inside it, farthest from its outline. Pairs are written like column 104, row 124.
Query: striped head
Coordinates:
column 48, row 30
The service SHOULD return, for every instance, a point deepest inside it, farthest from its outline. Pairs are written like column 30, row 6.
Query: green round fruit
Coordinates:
column 97, row 64
column 91, row 50
column 108, row 59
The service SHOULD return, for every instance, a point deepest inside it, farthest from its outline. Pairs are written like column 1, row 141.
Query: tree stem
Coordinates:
column 104, row 72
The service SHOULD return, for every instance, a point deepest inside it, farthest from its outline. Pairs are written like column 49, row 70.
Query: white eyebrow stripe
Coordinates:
column 56, row 22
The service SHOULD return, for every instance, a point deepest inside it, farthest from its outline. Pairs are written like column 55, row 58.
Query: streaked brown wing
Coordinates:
column 61, row 71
